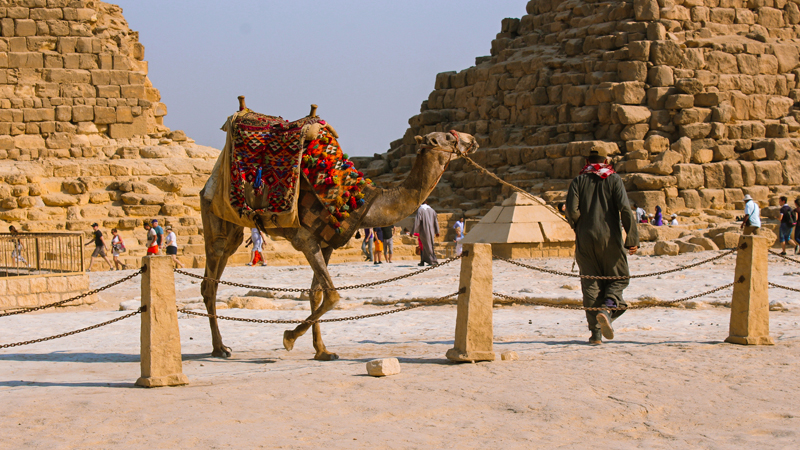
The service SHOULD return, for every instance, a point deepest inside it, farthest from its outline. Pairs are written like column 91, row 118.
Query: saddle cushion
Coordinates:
column 265, row 164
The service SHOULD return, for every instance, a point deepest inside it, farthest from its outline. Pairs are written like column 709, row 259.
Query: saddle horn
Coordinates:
column 242, row 107
column 313, row 112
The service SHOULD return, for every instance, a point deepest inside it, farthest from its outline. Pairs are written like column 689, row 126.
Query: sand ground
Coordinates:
column 666, row 381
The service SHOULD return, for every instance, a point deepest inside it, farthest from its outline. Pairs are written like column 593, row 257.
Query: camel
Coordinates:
column 224, row 235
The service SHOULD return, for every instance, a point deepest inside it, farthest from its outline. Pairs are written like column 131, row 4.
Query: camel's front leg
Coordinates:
column 318, row 259
column 222, row 238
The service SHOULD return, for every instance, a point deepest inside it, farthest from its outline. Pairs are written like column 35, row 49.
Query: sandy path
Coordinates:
column 667, row 381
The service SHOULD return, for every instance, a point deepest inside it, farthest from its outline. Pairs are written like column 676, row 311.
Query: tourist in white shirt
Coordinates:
column 674, row 220
column 752, row 220
column 171, row 242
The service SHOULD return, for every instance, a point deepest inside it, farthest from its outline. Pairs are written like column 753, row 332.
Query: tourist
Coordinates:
column 366, row 245
column 388, row 246
column 152, row 240
column 796, row 228
column 787, row 222
column 459, row 238
column 16, row 247
column 596, row 202
column 117, row 247
column 658, row 220
column 752, row 216
column 378, row 244
column 460, row 223
column 674, row 220
column 159, row 233
column 171, row 242
column 427, row 225
column 641, row 214
column 257, row 253
column 562, row 209
column 99, row 248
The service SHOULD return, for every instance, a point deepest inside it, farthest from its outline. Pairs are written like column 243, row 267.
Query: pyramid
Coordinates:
column 696, row 100
column 82, row 136
column 523, row 228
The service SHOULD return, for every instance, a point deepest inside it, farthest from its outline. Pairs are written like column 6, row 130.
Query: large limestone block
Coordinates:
column 688, row 247
column 666, row 53
column 666, row 248
column 629, row 114
column 648, row 199
column 646, row 10
column 768, row 173
column 706, row 243
column 726, row 240
column 647, row 182
column 689, row 176
column 59, row 199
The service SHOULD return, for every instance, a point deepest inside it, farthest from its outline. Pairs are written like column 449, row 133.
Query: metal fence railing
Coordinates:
column 25, row 254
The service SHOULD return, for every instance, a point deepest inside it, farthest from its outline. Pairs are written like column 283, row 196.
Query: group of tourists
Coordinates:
column 377, row 242
column 656, row 219
column 157, row 239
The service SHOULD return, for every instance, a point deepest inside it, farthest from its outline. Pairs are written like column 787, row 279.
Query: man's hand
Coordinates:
column 632, row 250
column 437, row 234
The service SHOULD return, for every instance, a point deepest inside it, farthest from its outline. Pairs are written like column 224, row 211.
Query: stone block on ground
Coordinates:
column 383, row 367
column 666, row 248
column 509, row 356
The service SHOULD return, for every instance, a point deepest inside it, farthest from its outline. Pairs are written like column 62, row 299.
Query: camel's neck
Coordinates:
column 393, row 205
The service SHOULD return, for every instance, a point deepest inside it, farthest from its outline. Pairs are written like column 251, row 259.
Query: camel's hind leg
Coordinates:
column 305, row 242
column 222, row 238
column 316, row 300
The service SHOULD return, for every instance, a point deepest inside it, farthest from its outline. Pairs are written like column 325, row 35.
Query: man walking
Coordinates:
column 159, row 233
column 427, row 225
column 752, row 216
column 388, row 247
column 596, row 203
column 99, row 248
column 787, row 222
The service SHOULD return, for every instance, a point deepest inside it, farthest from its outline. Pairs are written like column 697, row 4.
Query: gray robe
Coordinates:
column 427, row 225
column 595, row 207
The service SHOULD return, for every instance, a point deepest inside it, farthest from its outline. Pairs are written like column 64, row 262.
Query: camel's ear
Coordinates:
column 418, row 139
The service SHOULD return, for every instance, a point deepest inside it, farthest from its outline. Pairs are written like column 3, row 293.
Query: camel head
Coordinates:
column 446, row 146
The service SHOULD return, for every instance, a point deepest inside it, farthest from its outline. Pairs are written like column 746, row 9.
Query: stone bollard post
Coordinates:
column 474, row 334
column 750, row 304
column 161, row 339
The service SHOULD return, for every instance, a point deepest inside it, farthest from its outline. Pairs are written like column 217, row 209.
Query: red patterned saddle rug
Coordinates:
column 268, row 157
column 265, row 164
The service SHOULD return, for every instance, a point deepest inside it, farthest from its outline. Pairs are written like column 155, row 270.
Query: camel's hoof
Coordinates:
column 288, row 340
column 326, row 356
column 224, row 352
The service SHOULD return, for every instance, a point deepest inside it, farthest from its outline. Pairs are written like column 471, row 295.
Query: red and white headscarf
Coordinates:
column 602, row 170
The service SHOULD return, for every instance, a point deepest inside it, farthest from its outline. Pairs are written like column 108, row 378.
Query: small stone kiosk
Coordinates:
column 522, row 228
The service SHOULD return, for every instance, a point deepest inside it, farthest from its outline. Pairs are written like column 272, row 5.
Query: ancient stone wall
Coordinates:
column 82, row 137
column 696, row 99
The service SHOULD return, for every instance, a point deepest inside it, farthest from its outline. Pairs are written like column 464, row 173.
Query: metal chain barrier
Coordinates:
column 511, row 186
column 599, row 277
column 641, row 305
column 784, row 287
column 785, row 257
column 70, row 333
column 437, row 301
column 343, row 288
column 77, row 297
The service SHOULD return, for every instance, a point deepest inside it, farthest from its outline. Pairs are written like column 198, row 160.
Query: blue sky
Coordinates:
column 367, row 64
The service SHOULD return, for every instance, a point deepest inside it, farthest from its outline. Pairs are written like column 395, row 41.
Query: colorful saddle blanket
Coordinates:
column 269, row 155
